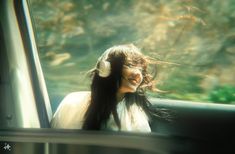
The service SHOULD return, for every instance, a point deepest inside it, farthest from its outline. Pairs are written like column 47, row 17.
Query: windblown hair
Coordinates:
column 104, row 89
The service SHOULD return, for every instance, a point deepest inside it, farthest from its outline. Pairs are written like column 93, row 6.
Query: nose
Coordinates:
column 137, row 75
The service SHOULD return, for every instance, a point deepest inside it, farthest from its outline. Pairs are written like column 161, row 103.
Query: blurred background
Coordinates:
column 194, row 41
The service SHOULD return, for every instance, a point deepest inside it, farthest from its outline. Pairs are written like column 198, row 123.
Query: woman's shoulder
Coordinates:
column 77, row 97
column 74, row 103
column 71, row 110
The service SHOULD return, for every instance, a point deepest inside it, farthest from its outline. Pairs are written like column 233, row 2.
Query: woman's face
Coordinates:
column 131, row 78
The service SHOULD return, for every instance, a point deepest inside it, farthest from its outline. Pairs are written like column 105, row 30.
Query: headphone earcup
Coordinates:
column 104, row 68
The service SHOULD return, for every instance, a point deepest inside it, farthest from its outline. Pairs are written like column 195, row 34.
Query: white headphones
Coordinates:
column 104, row 69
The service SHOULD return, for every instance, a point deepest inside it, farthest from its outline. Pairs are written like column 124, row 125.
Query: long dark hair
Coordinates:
column 104, row 89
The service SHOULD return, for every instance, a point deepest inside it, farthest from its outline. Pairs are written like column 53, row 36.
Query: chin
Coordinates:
column 132, row 90
column 128, row 89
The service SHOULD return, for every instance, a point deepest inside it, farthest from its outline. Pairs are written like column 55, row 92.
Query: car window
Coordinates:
column 193, row 42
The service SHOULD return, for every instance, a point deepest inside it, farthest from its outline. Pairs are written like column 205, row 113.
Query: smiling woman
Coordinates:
column 117, row 99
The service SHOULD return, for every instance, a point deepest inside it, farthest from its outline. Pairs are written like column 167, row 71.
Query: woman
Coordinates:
column 117, row 99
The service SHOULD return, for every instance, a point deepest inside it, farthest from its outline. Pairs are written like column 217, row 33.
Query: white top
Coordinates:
column 70, row 114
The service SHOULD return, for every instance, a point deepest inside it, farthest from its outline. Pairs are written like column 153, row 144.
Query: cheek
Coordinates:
column 125, row 72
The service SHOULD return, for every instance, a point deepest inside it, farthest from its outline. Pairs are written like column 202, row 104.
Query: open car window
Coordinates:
column 193, row 42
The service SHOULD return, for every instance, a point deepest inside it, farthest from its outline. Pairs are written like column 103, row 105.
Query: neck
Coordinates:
column 120, row 96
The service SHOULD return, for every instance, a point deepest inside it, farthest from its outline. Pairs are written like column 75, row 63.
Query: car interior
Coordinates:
column 25, row 110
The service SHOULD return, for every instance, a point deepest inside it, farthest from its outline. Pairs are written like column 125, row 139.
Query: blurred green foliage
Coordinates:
column 183, row 83
column 223, row 94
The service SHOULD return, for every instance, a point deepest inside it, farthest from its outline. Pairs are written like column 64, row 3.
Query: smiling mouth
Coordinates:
column 133, row 81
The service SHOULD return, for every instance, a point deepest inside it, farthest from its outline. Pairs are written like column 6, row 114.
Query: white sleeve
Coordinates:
column 70, row 113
